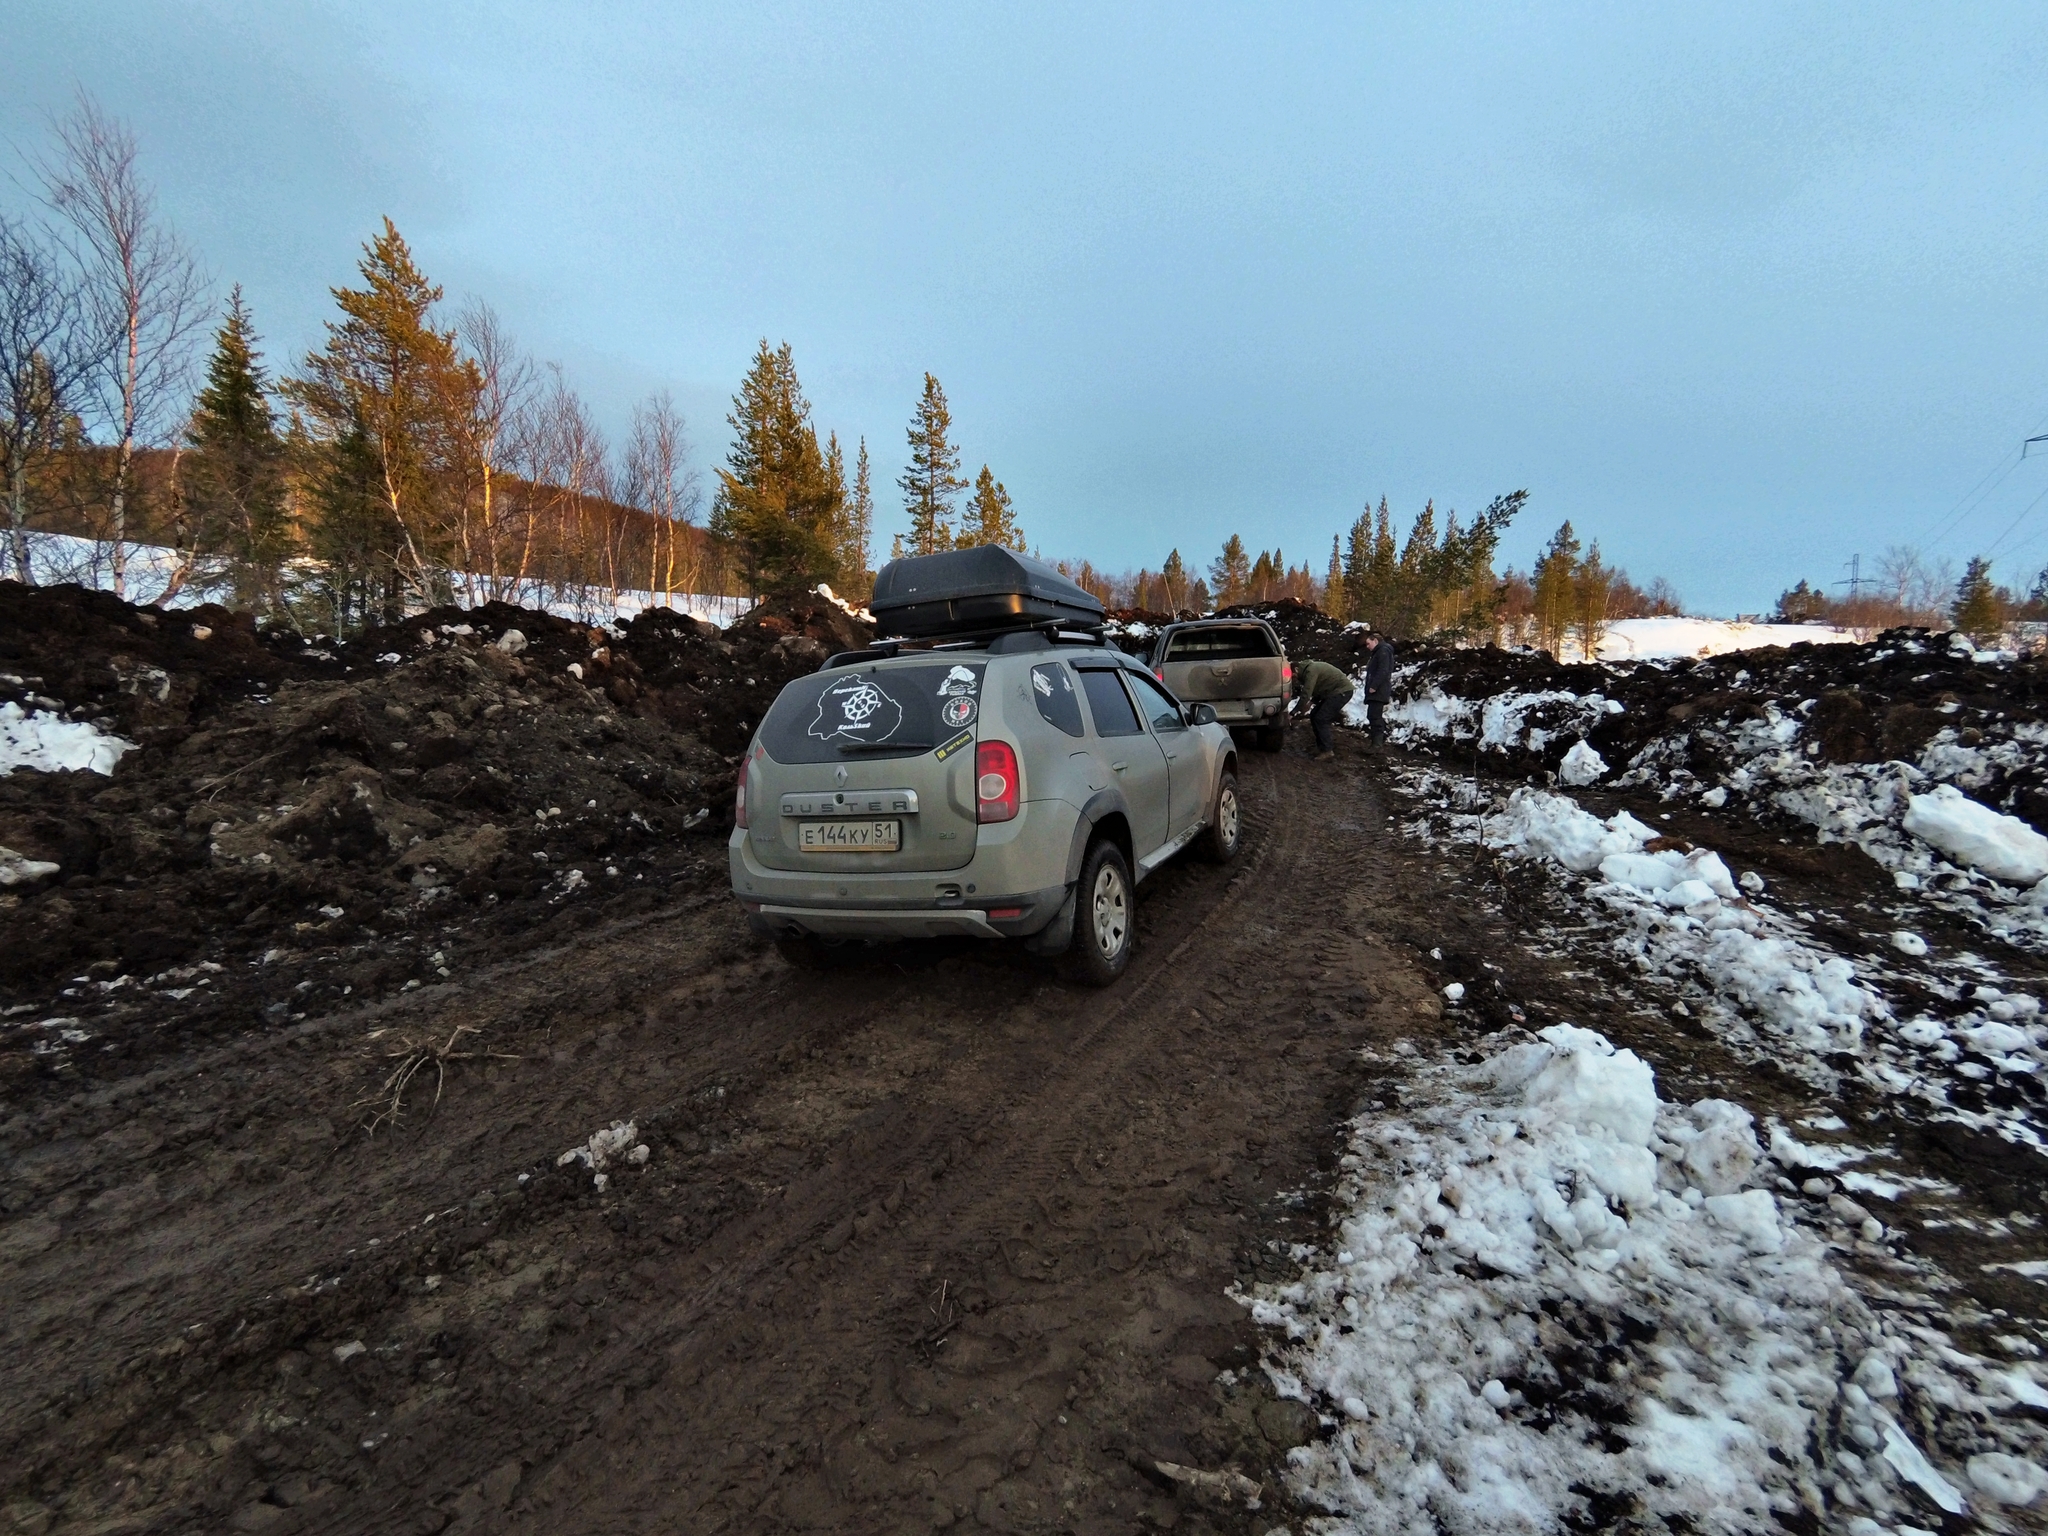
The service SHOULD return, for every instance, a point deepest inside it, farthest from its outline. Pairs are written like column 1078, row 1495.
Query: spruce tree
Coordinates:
column 859, row 522
column 235, row 485
column 1357, row 567
column 777, row 498
column 1333, row 580
column 1378, row 600
column 990, row 517
column 1263, row 577
column 1410, row 596
column 1978, row 612
column 932, row 480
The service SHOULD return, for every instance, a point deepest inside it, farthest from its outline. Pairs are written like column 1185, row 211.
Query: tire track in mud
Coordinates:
column 854, row 1175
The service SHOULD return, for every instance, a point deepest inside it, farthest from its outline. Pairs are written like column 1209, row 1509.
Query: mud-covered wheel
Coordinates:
column 808, row 952
column 1104, row 913
column 1272, row 738
column 1226, row 822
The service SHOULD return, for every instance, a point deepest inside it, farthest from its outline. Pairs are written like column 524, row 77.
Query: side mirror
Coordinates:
column 1202, row 714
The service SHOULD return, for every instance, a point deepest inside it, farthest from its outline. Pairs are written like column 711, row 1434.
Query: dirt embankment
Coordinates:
column 302, row 821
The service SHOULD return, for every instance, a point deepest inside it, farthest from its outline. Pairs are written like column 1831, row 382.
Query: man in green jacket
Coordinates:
column 1328, row 690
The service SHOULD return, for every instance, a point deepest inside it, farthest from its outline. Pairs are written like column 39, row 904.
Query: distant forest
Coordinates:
column 419, row 457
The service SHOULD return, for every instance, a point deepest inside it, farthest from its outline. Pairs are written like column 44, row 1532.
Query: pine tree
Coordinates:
column 1231, row 574
column 1380, row 596
column 1592, row 587
column 1173, row 576
column 1333, row 581
column 777, row 498
column 990, row 517
column 1410, row 595
column 389, row 378
column 932, row 480
column 1978, row 611
column 1556, row 579
column 235, row 485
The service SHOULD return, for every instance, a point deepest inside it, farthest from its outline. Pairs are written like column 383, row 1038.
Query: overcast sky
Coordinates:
column 1741, row 291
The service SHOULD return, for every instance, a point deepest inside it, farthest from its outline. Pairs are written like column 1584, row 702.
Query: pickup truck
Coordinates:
column 1236, row 666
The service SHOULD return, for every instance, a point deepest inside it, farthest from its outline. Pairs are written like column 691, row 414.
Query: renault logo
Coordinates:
column 839, row 775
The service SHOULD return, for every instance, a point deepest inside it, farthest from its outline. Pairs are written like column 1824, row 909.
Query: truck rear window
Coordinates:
column 878, row 712
column 1236, row 644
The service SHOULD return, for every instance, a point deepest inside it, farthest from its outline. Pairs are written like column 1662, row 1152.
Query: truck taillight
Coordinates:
column 995, row 782
column 739, row 800
column 1287, row 674
column 1160, row 673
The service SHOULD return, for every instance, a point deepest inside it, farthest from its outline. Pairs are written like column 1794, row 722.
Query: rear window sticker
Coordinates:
column 964, row 739
column 961, row 680
column 958, row 711
column 1038, row 681
column 856, row 709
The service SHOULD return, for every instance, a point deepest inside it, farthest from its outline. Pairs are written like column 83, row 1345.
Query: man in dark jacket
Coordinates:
column 1379, row 683
column 1328, row 690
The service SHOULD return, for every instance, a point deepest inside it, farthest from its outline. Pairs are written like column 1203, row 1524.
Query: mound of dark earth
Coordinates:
column 305, row 820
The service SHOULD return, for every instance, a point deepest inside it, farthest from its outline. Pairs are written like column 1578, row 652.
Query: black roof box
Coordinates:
column 979, row 589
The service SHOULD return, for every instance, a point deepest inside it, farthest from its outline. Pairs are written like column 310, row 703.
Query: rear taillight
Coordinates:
column 1160, row 673
column 1286, row 674
column 739, row 801
column 995, row 782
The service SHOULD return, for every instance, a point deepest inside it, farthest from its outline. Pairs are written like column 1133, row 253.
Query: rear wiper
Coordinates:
column 886, row 746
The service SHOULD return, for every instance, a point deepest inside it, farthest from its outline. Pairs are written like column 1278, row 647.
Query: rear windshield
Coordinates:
column 879, row 712
column 1233, row 644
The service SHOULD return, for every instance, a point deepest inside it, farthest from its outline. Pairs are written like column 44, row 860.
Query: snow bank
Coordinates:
column 51, row 743
column 1547, row 1288
column 2004, row 847
column 1647, row 639
column 55, row 558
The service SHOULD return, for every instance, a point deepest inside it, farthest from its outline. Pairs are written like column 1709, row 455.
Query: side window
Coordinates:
column 1158, row 706
column 1052, row 690
column 1109, row 704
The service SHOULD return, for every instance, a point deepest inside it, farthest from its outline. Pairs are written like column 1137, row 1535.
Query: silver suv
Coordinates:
column 1009, row 785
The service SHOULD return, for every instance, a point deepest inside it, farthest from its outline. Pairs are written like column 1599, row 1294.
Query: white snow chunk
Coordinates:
column 512, row 642
column 1553, row 826
column 1751, row 1216
column 2006, row 1479
column 18, row 868
column 1455, row 991
column 1908, row 943
column 1582, row 765
column 2002, row 846
column 51, row 743
column 603, row 1147
column 1907, row 1461
column 347, row 1352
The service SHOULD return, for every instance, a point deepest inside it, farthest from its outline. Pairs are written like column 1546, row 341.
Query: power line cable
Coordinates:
column 1974, row 499
column 2029, row 507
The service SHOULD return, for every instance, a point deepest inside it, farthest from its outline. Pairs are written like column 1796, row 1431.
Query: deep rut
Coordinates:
column 924, row 1240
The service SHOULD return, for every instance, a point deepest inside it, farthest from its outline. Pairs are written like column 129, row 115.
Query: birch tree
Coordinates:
column 143, row 290
column 46, row 352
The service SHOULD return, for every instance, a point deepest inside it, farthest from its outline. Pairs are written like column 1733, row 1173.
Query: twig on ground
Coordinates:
column 411, row 1058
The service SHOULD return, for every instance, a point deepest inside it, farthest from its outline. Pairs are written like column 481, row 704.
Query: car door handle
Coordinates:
column 1118, row 767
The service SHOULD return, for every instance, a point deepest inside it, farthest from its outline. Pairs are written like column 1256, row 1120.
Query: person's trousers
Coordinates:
column 1376, row 719
column 1324, row 718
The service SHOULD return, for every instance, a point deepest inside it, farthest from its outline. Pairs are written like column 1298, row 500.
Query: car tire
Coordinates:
column 1272, row 738
column 1104, row 913
column 1226, row 822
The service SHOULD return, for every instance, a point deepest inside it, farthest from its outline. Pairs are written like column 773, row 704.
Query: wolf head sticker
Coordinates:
column 856, row 709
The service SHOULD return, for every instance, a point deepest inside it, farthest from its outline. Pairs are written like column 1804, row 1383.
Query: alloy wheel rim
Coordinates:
column 1111, row 919
column 1228, row 817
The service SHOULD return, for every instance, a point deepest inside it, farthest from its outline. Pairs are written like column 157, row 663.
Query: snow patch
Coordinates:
column 1582, row 765
column 51, row 743
column 1533, row 1301
column 2002, row 846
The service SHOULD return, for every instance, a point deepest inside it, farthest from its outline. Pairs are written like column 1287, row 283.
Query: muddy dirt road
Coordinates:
column 918, row 1242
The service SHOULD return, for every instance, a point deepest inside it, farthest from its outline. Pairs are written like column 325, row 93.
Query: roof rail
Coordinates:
column 1049, row 633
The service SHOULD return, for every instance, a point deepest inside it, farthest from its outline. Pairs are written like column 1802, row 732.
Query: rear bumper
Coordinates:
column 1246, row 711
column 879, row 920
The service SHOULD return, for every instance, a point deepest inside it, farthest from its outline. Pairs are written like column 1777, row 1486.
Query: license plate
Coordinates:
column 849, row 836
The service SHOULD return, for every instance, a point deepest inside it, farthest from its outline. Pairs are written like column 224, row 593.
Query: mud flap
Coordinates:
column 1056, row 935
